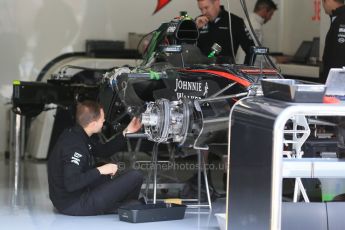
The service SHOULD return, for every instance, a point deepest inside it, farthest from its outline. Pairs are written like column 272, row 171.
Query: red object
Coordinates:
column 330, row 100
column 317, row 10
column 161, row 4
column 230, row 76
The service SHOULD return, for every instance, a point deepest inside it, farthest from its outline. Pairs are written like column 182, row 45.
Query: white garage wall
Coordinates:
column 33, row 32
column 297, row 24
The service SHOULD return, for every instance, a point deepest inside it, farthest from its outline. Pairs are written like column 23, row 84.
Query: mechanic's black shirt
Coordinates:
column 71, row 169
column 334, row 52
column 218, row 32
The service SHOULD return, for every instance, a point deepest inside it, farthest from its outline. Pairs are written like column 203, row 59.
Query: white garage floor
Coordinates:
column 26, row 205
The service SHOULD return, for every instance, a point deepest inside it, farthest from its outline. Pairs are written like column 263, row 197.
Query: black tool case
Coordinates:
column 151, row 212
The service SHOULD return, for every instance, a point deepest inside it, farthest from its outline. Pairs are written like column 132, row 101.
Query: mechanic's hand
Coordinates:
column 201, row 21
column 134, row 125
column 108, row 169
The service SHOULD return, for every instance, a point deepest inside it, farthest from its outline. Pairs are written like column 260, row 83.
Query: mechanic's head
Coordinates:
column 330, row 5
column 90, row 116
column 209, row 8
column 265, row 8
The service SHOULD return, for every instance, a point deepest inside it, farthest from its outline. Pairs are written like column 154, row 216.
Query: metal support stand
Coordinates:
column 155, row 157
column 17, row 144
column 203, row 163
column 299, row 136
column 201, row 167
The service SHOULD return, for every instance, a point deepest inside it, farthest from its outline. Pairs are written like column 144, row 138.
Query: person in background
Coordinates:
column 334, row 51
column 213, row 25
column 76, row 186
column 263, row 12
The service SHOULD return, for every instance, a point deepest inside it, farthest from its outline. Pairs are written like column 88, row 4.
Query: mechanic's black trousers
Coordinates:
column 107, row 195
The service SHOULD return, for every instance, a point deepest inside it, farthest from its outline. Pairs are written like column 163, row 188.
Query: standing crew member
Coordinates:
column 213, row 25
column 334, row 51
column 76, row 186
column 263, row 12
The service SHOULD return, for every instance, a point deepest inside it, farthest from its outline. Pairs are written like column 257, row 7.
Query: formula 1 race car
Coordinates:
column 180, row 95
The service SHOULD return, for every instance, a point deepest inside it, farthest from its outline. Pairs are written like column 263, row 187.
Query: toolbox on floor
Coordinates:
column 151, row 212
